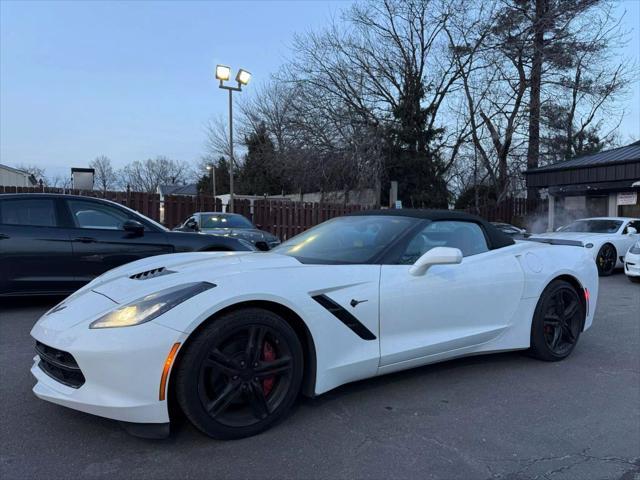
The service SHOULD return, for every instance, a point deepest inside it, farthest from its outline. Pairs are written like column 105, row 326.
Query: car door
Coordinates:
column 100, row 242
column 450, row 307
column 35, row 251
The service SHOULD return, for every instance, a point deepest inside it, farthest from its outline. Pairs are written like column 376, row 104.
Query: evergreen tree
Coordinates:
column 261, row 172
column 222, row 178
column 410, row 159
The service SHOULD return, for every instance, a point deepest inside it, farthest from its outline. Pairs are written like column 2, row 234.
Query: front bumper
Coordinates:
column 122, row 368
column 632, row 265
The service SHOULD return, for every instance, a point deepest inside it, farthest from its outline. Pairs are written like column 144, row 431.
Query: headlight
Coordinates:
column 247, row 244
column 150, row 307
column 635, row 249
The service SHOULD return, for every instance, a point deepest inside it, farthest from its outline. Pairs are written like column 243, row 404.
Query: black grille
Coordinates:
column 59, row 365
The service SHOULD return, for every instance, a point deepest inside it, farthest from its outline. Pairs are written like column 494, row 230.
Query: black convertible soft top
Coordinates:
column 495, row 238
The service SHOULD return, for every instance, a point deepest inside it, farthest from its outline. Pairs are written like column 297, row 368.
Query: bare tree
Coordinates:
column 59, row 181
column 471, row 95
column 217, row 137
column 564, row 94
column 491, row 62
column 105, row 176
column 148, row 175
column 584, row 95
column 38, row 172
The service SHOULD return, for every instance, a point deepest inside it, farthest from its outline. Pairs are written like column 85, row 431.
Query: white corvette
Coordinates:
column 607, row 238
column 232, row 338
column 632, row 262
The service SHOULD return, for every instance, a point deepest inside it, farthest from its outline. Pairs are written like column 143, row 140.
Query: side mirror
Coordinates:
column 134, row 227
column 435, row 256
column 264, row 246
column 631, row 230
column 192, row 225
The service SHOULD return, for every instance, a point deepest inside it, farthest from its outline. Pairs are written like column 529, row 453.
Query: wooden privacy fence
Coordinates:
column 510, row 210
column 177, row 208
column 147, row 204
column 281, row 218
column 287, row 219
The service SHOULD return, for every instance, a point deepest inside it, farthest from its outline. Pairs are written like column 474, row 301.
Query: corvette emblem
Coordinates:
column 354, row 303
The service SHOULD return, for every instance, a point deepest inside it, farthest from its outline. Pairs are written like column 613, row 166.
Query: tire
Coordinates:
column 554, row 335
column 634, row 279
column 230, row 389
column 606, row 260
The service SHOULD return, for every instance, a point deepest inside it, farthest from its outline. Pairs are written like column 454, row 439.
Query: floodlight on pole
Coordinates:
column 243, row 77
column 223, row 73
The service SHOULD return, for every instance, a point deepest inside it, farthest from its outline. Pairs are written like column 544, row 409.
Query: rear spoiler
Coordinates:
column 555, row 241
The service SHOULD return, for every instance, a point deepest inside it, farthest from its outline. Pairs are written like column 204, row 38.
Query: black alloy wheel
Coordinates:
column 606, row 260
column 557, row 323
column 241, row 374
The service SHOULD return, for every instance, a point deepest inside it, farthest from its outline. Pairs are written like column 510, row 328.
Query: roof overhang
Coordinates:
column 626, row 172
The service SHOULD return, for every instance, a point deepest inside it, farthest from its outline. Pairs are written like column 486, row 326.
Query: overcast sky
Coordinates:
column 133, row 80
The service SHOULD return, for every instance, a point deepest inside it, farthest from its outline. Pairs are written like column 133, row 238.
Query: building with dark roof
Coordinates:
column 190, row 190
column 602, row 184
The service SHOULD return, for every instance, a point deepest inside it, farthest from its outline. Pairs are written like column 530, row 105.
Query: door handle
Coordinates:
column 4, row 236
column 85, row 240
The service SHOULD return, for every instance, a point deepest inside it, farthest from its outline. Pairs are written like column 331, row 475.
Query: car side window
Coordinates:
column 635, row 224
column 33, row 212
column 467, row 236
column 93, row 215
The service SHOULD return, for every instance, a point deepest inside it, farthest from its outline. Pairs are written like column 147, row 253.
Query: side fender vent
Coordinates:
column 345, row 317
column 156, row 272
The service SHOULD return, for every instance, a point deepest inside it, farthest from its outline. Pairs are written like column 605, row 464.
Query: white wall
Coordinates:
column 11, row 178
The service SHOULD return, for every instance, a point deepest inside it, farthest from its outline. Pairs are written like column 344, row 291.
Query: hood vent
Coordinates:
column 156, row 272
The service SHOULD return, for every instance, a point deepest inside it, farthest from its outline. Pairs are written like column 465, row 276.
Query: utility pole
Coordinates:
column 223, row 73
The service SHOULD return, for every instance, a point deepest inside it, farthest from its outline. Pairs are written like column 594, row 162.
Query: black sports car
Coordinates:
column 53, row 244
column 231, row 225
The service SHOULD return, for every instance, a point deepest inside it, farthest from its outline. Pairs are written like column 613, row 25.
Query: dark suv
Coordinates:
column 53, row 244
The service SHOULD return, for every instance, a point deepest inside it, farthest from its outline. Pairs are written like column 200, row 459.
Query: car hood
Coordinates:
column 250, row 234
column 138, row 279
column 579, row 236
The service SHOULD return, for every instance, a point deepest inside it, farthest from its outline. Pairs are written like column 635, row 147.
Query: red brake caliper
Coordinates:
column 268, row 355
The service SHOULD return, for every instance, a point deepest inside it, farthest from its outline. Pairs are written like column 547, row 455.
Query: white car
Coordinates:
column 632, row 262
column 233, row 338
column 607, row 238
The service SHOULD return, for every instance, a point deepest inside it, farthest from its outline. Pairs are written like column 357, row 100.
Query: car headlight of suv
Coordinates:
column 635, row 248
column 152, row 306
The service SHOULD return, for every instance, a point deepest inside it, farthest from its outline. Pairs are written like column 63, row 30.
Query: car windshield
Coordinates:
column 593, row 226
column 352, row 239
column 216, row 220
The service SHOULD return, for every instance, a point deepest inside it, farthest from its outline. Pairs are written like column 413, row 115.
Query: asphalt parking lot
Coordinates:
column 502, row 416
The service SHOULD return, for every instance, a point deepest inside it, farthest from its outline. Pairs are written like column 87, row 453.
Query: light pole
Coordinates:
column 212, row 168
column 223, row 73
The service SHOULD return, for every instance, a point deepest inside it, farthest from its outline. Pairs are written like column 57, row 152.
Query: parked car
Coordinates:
column 632, row 262
column 509, row 229
column 608, row 238
column 231, row 225
column 235, row 338
column 53, row 244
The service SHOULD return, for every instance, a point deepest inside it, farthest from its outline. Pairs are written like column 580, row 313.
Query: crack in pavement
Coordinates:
column 581, row 457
